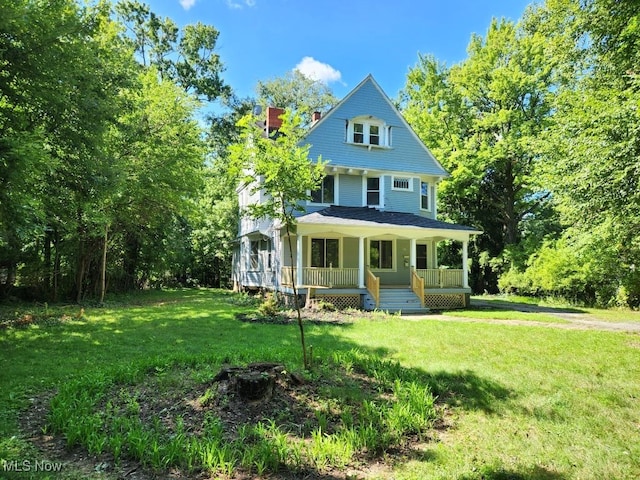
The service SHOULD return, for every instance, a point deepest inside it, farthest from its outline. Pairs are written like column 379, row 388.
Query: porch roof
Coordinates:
column 366, row 217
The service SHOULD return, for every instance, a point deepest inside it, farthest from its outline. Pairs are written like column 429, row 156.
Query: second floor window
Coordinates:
column 373, row 191
column 325, row 193
column 424, row 196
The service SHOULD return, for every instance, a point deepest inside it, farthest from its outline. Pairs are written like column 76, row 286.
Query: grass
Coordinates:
column 523, row 402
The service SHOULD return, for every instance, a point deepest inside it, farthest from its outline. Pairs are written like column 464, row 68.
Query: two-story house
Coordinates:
column 369, row 236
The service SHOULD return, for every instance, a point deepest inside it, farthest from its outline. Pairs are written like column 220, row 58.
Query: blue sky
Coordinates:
column 337, row 41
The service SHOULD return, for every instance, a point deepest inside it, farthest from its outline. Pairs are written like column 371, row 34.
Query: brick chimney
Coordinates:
column 273, row 122
column 315, row 116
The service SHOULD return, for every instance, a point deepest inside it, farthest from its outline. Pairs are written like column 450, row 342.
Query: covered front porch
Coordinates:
column 343, row 256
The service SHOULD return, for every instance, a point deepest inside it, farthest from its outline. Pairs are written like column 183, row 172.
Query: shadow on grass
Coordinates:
column 194, row 323
column 532, row 473
column 505, row 306
column 467, row 390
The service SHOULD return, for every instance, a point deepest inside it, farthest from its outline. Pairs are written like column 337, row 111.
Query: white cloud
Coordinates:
column 315, row 70
column 187, row 4
column 240, row 4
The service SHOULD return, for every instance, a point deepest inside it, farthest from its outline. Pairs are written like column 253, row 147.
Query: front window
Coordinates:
column 373, row 191
column 381, row 254
column 325, row 252
column 421, row 256
column 325, row 193
column 424, row 196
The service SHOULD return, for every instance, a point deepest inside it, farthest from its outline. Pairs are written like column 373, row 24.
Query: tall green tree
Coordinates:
column 594, row 149
column 64, row 67
column 297, row 93
column 159, row 148
column 186, row 56
column 481, row 118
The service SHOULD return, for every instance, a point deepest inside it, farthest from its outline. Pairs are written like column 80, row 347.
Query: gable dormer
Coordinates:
column 366, row 131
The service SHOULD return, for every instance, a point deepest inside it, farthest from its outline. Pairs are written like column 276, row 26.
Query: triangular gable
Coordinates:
column 335, row 111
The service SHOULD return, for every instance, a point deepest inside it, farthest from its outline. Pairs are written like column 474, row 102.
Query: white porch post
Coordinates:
column 412, row 253
column 361, row 262
column 465, row 266
column 298, row 259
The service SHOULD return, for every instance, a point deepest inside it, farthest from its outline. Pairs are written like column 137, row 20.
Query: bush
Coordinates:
column 269, row 307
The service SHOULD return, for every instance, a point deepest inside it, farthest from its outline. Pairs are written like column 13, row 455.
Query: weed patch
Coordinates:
column 353, row 408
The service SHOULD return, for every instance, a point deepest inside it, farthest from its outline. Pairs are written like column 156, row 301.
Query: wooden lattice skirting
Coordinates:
column 444, row 301
column 341, row 302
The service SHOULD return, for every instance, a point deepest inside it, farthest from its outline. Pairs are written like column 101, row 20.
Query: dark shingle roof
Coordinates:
column 366, row 216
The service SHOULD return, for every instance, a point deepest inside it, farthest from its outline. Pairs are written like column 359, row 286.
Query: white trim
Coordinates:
column 361, row 262
column 298, row 259
column 465, row 266
column 434, row 206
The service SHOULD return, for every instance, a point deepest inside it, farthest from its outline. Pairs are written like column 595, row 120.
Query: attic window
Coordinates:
column 368, row 131
column 402, row 183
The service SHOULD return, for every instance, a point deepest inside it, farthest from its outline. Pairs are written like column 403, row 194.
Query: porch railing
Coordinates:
column 417, row 285
column 330, row 277
column 322, row 277
column 441, row 277
column 373, row 285
column 286, row 275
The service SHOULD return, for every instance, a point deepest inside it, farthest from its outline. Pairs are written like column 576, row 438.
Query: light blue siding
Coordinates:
column 407, row 153
column 350, row 190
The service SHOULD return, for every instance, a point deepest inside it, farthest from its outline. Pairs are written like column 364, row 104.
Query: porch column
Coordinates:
column 298, row 259
column 361, row 262
column 465, row 267
column 412, row 253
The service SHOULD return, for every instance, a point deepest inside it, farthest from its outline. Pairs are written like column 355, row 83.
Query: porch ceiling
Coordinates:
column 367, row 222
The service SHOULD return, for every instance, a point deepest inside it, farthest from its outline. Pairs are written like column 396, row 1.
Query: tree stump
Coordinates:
column 254, row 385
column 255, row 382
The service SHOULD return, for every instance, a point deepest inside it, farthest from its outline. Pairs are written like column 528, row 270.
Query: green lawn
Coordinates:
column 524, row 402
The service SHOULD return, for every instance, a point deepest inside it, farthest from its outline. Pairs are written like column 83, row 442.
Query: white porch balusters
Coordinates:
column 361, row 262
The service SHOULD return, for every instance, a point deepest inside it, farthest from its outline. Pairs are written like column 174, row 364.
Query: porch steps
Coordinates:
column 400, row 300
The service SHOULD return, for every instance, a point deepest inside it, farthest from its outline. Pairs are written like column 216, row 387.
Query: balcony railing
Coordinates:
column 441, row 277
